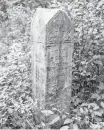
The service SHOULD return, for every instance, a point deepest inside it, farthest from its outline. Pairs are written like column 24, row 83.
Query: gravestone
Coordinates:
column 52, row 35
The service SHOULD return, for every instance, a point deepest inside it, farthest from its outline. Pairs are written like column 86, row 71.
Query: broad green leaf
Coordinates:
column 75, row 110
column 19, row 122
column 94, row 126
column 101, row 86
column 83, row 62
column 64, row 128
column 77, row 101
column 85, row 110
column 75, row 127
column 96, row 108
column 30, row 124
column 90, row 110
column 56, row 110
column 47, row 112
column 67, row 121
column 97, row 113
column 98, row 62
column 23, row 125
column 81, row 110
column 10, row 110
column 96, row 57
column 96, row 96
column 92, row 105
column 102, row 96
column 56, row 119
column 84, row 104
column 101, row 111
column 63, row 116
column 102, row 104
column 43, row 124
column 102, row 57
column 98, row 119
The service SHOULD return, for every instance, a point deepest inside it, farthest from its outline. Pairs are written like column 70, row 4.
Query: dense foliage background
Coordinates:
column 17, row 109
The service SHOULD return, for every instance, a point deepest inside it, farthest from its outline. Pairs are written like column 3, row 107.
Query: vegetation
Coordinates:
column 17, row 109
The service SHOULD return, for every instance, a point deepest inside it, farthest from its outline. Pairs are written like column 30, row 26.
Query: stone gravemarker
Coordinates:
column 52, row 58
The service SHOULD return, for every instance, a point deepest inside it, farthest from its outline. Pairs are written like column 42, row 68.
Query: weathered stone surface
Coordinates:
column 52, row 58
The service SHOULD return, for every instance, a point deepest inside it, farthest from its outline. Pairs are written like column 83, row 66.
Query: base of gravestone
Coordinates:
column 61, row 101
